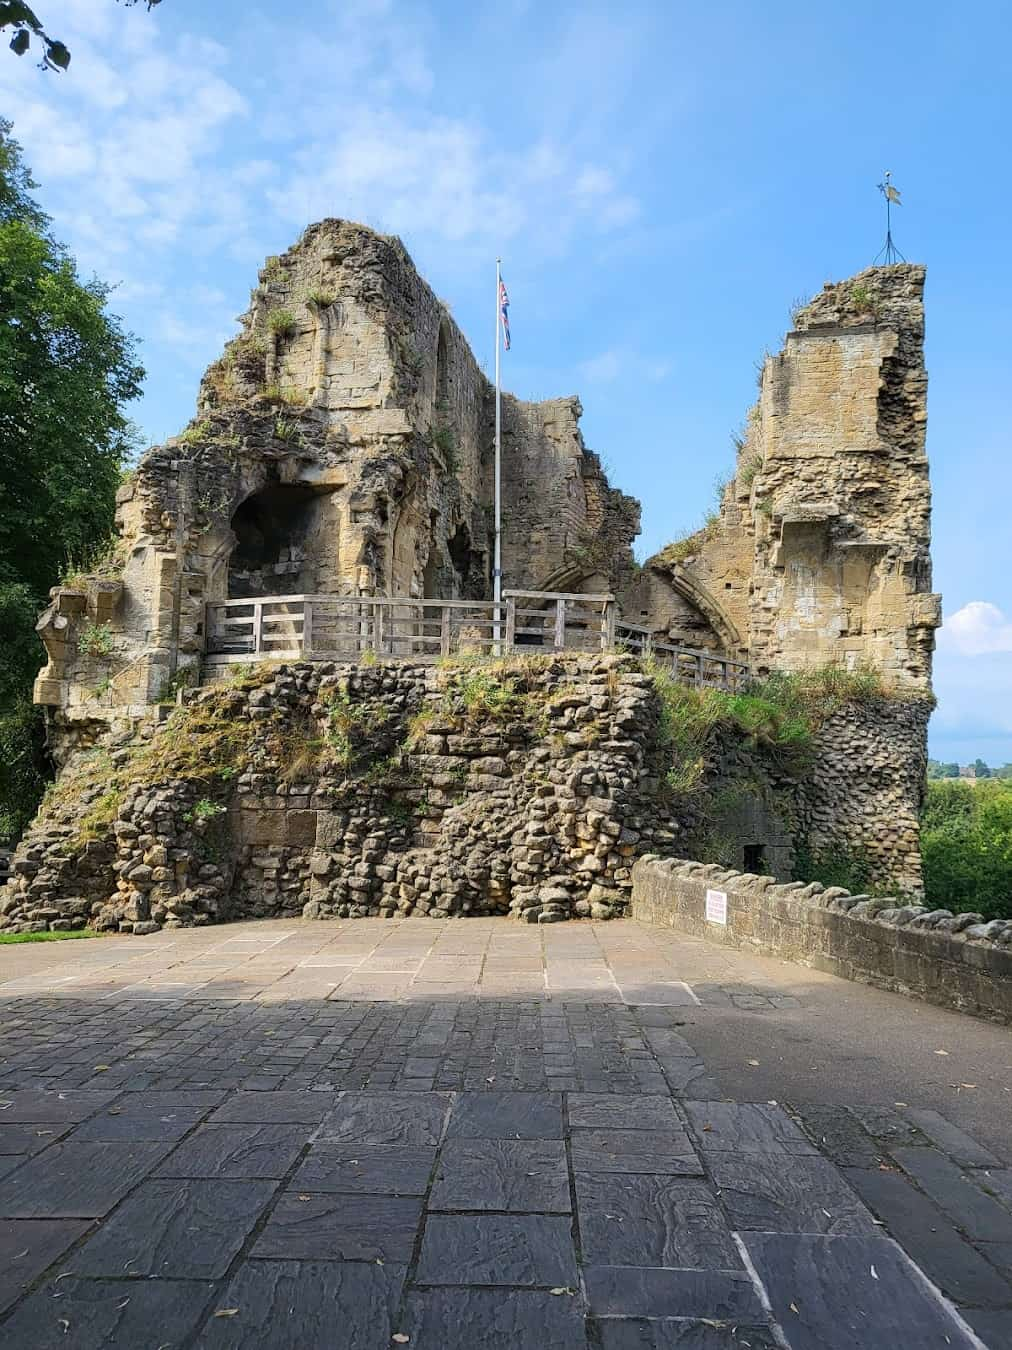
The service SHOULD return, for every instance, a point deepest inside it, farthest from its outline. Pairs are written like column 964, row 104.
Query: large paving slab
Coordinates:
column 592, row 1137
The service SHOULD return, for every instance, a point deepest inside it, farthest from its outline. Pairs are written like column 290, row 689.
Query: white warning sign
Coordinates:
column 716, row 907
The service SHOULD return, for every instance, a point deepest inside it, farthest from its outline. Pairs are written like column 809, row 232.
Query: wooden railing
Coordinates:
column 690, row 665
column 350, row 628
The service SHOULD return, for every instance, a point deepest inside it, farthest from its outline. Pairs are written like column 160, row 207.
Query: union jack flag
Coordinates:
column 504, row 310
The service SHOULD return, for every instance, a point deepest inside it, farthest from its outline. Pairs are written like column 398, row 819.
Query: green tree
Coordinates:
column 27, row 26
column 949, row 770
column 966, row 844
column 66, row 370
column 981, row 769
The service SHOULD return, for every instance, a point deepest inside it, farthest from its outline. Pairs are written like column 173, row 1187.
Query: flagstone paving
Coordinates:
column 467, row 1134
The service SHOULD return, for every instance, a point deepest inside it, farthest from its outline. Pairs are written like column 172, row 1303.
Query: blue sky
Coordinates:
column 662, row 180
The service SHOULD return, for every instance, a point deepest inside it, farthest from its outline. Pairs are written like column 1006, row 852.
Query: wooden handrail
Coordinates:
column 347, row 626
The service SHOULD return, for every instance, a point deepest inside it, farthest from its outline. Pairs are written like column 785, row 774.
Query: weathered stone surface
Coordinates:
column 223, row 1151
column 930, row 1239
column 834, row 1293
column 76, row 1180
column 602, row 1111
column 630, row 1333
column 506, row 1115
column 637, row 1291
column 730, row 1127
column 974, row 1212
column 298, row 1305
column 303, row 1226
column 386, row 1118
column 502, row 1174
column 498, row 1249
column 386, row 1169
column 776, row 1192
column 466, row 1317
column 177, row 1230
column 28, row 1247
column 100, row 1313
column 647, row 1151
column 952, row 1140
column 652, row 1221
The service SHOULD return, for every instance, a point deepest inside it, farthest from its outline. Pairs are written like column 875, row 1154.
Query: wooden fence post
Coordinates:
column 444, row 630
column 258, row 626
column 511, row 623
column 307, row 628
column 608, row 626
column 560, row 624
column 377, row 628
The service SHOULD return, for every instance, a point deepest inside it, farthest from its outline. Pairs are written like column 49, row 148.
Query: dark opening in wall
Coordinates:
column 269, row 557
column 754, row 857
column 468, row 563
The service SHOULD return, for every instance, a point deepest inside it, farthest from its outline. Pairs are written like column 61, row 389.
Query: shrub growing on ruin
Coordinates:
column 281, row 322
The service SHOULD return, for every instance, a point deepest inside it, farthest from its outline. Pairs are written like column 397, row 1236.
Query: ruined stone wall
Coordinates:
column 342, row 445
column 332, row 791
column 820, row 552
column 527, row 788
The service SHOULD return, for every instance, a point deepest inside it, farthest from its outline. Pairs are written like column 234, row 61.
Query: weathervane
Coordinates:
column 890, row 253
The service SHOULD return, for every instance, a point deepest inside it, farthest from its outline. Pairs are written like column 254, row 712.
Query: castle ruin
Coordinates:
column 342, row 447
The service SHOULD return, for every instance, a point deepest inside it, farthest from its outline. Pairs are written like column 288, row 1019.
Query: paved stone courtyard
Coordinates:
column 475, row 1133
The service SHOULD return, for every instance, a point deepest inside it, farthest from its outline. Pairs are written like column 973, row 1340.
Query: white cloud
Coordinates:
column 607, row 366
column 978, row 629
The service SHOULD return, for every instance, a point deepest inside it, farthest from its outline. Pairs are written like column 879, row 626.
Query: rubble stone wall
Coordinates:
column 352, row 790
column 955, row 960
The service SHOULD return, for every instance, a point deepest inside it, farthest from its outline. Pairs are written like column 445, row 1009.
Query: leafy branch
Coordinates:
column 26, row 24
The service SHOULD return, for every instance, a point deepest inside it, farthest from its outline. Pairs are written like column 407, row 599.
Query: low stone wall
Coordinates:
column 955, row 960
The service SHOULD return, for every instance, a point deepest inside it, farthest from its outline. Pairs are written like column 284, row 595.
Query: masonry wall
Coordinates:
column 342, row 445
column 820, row 550
column 957, row 961
column 527, row 788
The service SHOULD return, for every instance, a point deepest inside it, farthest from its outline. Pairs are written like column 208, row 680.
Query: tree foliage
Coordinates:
column 27, row 26
column 966, row 843
column 66, row 370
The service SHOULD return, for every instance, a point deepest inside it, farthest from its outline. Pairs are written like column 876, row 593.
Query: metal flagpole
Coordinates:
column 497, row 558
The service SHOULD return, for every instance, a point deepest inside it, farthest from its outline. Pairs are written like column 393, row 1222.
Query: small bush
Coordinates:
column 104, row 561
column 95, row 639
column 203, row 811
column 352, row 728
column 322, row 297
column 196, row 433
column 285, row 429
column 444, row 441
column 853, row 870
column 862, row 300
column 779, row 715
column 281, row 322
